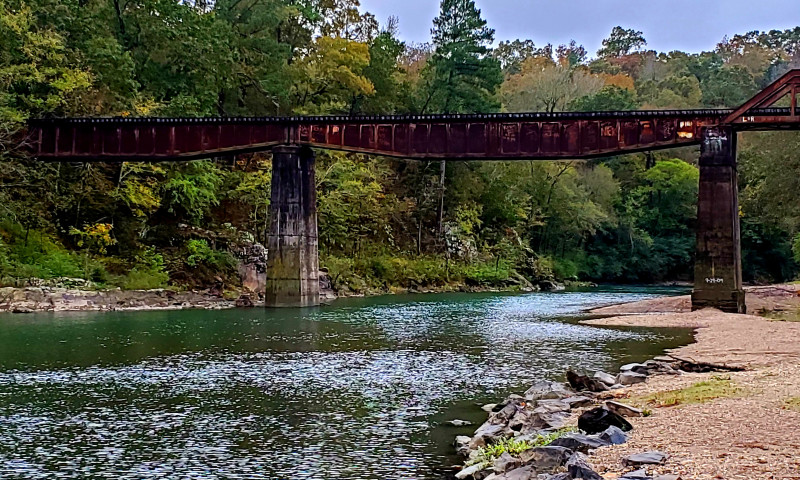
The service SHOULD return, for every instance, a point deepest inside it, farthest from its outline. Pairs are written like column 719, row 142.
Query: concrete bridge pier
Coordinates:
column 292, row 261
column 718, row 265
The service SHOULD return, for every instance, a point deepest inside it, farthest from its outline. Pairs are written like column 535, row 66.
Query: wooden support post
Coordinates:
column 293, row 262
column 718, row 264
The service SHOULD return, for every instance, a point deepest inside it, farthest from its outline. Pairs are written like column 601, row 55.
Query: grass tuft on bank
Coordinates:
column 514, row 446
column 700, row 392
column 792, row 403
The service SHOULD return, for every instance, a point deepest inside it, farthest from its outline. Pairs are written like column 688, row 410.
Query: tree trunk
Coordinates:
column 442, row 174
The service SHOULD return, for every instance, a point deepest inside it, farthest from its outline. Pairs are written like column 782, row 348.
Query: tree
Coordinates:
column 331, row 75
column 463, row 76
column 260, row 78
column 36, row 74
column 728, row 87
column 622, row 42
column 672, row 92
column 611, row 97
column 383, row 72
column 571, row 54
column 342, row 18
column 543, row 85
column 511, row 54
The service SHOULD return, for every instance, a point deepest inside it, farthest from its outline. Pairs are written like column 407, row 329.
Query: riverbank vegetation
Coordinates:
column 700, row 392
column 383, row 223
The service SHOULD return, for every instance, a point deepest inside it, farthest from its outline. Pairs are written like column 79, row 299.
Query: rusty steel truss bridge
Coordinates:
column 292, row 278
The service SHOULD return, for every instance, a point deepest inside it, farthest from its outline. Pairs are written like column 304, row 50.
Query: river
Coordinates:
column 356, row 390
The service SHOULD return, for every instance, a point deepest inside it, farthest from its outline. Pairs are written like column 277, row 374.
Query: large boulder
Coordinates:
column 488, row 433
column 646, row 458
column 614, row 436
column 583, row 383
column 578, row 402
column 580, row 443
column 655, row 367
column 523, row 473
column 506, row 462
column 546, row 458
column 606, row 378
column 474, row 471
column 623, row 410
column 545, row 390
column 631, row 378
column 635, row 367
column 252, row 266
column 462, row 445
column 599, row 419
column 578, row 468
column 636, row 475
column 552, row 406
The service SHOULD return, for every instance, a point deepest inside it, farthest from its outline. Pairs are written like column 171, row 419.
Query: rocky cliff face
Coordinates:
column 252, row 266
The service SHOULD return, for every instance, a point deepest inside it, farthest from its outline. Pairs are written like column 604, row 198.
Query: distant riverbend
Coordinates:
column 360, row 389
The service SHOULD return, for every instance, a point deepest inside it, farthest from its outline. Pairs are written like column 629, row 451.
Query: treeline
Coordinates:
column 383, row 223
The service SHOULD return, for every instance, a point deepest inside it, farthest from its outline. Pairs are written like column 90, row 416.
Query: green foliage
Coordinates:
column 147, row 273
column 628, row 218
column 201, row 254
column 28, row 253
column 514, row 447
column 611, row 97
column 193, row 189
column 622, row 42
column 380, row 272
column 462, row 76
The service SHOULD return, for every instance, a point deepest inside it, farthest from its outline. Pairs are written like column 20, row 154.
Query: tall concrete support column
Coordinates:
column 292, row 260
column 718, row 265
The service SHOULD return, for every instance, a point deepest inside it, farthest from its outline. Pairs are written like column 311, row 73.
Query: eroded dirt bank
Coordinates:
column 753, row 434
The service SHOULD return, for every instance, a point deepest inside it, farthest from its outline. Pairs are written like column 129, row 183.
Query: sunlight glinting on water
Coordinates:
column 356, row 391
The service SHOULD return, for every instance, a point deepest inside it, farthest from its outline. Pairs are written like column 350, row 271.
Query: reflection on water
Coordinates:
column 357, row 390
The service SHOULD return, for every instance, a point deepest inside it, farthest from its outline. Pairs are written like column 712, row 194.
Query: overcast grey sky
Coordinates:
column 687, row 25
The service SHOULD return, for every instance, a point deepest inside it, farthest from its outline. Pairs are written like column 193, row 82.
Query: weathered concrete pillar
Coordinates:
column 292, row 260
column 718, row 266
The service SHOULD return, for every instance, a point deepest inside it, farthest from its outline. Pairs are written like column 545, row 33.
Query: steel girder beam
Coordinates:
column 476, row 137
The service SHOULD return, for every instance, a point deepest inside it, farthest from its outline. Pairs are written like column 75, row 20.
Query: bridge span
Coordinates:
column 292, row 277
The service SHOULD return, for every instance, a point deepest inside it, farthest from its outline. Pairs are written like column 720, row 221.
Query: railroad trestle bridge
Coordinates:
column 292, row 275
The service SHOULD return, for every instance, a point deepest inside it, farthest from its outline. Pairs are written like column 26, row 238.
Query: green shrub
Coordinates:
column 564, row 269
column 35, row 254
column 144, row 279
column 487, row 273
column 383, row 272
column 201, row 254
column 147, row 273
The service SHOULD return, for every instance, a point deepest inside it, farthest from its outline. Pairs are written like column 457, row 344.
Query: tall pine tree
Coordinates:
column 462, row 75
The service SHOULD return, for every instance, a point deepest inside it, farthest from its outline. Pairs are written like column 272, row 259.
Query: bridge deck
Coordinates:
column 509, row 136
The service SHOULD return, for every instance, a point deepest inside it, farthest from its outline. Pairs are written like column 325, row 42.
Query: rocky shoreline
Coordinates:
column 688, row 421
column 76, row 295
column 550, row 432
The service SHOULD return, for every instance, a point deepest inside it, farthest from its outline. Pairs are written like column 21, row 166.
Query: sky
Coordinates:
column 686, row 25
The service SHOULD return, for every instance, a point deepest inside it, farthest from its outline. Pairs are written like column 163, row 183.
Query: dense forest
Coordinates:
column 384, row 223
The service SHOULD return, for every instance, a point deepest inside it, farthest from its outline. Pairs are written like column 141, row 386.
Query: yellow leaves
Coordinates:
column 94, row 237
column 146, row 107
column 139, row 187
column 332, row 72
column 619, row 80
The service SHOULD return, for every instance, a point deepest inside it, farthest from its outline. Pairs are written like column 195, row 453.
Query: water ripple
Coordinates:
column 356, row 391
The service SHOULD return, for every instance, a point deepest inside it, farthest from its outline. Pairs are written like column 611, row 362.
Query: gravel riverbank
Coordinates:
column 725, row 407
column 751, row 434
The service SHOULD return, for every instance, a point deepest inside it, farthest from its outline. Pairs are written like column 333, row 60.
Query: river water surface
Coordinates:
column 357, row 390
